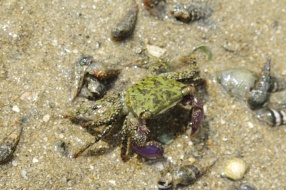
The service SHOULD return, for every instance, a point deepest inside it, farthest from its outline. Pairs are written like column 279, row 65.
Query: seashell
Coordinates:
column 186, row 174
column 272, row 117
column 259, row 95
column 9, row 144
column 126, row 26
column 237, row 82
column 235, row 169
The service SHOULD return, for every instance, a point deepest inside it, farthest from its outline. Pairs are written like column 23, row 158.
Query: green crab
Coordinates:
column 146, row 99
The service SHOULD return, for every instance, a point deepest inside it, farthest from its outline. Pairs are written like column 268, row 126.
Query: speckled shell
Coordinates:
column 235, row 168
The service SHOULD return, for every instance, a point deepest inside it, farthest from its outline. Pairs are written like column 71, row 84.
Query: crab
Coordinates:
column 147, row 99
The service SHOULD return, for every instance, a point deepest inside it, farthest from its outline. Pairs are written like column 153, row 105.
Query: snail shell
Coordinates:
column 235, row 168
column 238, row 82
column 9, row 144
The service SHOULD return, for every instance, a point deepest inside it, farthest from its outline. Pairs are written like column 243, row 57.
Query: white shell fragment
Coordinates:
column 235, row 168
column 155, row 51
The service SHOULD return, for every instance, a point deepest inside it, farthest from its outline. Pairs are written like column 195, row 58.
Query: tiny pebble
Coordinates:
column 112, row 182
column 222, row 121
column 159, row 165
column 35, row 160
column 46, row 118
column 24, row 174
column 192, row 160
column 155, row 51
column 250, row 125
column 15, row 108
column 138, row 50
column 27, row 96
column 97, row 44
column 61, row 136
column 224, row 139
column 14, row 163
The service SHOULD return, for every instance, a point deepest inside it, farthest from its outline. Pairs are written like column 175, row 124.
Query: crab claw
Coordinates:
column 152, row 150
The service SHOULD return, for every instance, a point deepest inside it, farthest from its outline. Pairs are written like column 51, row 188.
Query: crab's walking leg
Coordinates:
column 124, row 142
column 135, row 132
column 108, row 122
column 197, row 113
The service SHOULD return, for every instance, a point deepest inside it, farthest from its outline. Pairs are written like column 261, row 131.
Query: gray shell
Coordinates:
column 238, row 82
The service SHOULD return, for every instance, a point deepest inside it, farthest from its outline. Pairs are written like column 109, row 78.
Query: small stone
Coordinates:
column 24, row 174
column 61, row 136
column 46, row 118
column 15, row 108
column 192, row 160
column 26, row 96
column 159, row 165
column 112, row 182
column 138, row 50
column 224, row 139
column 91, row 167
column 14, row 163
column 155, row 51
column 250, row 125
column 35, row 160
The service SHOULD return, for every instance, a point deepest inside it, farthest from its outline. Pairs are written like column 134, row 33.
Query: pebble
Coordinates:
column 155, row 51
column 15, row 108
column 250, row 125
column 24, row 174
column 35, row 160
column 112, row 182
column 14, row 163
column 46, row 118
column 159, row 165
column 192, row 160
column 26, row 96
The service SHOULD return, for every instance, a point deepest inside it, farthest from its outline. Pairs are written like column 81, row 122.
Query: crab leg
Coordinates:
column 197, row 111
column 138, row 133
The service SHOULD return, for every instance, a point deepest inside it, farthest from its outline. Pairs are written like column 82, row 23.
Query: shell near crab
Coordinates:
column 256, row 90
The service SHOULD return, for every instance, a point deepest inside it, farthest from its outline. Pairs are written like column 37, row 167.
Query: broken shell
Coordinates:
column 235, row 168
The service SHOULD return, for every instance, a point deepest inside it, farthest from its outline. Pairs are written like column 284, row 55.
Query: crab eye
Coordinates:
column 145, row 115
